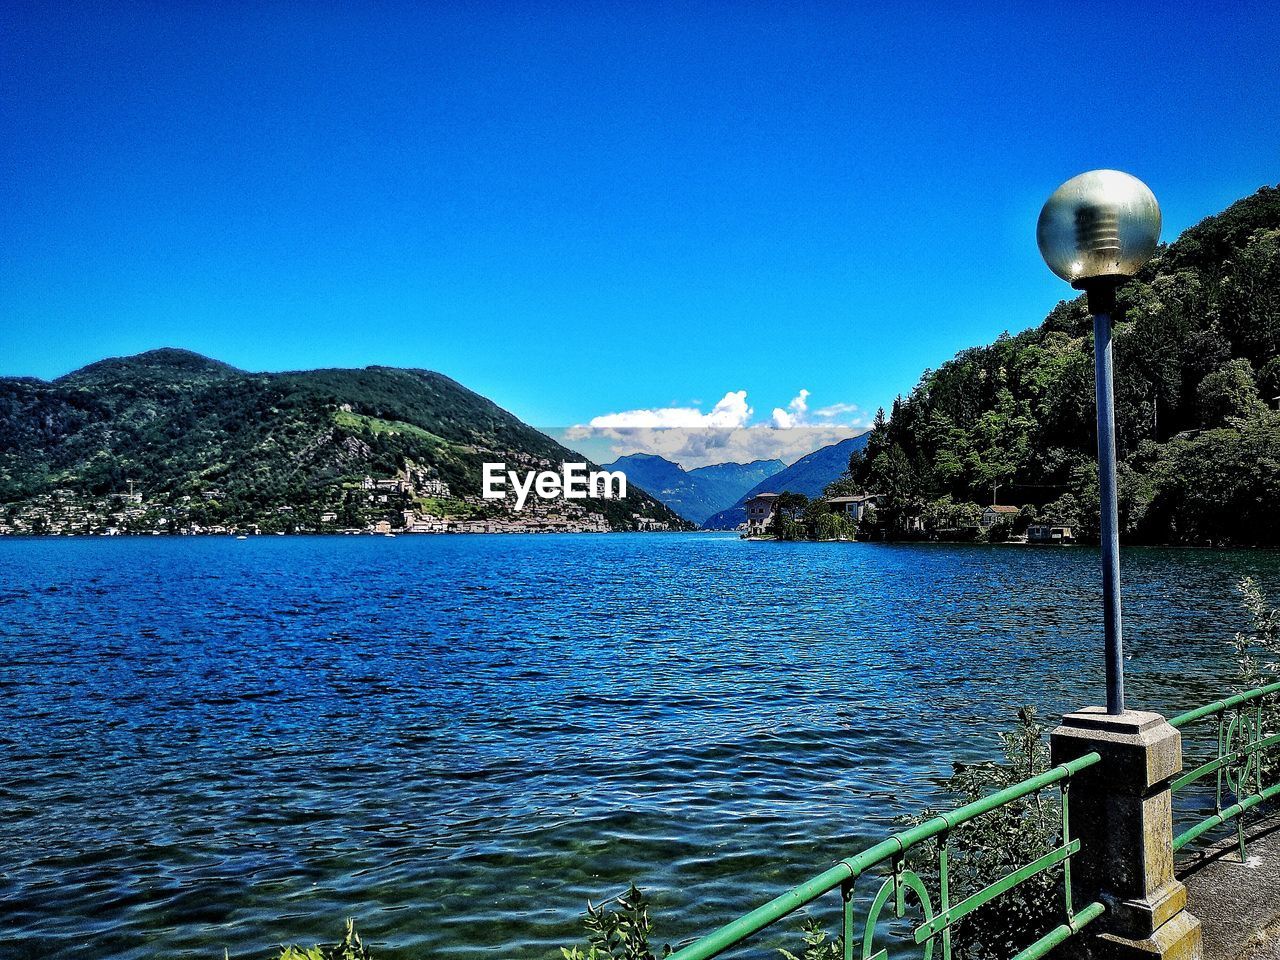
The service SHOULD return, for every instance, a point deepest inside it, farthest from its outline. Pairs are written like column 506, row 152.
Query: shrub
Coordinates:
column 621, row 934
column 350, row 948
column 1011, row 836
column 1258, row 654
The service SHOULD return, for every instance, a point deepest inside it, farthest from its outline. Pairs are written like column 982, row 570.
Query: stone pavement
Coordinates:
column 1266, row 946
column 1237, row 903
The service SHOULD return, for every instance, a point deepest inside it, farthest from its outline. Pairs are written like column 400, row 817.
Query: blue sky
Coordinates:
column 584, row 210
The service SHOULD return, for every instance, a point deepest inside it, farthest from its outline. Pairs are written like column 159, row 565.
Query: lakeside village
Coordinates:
column 793, row 516
column 414, row 501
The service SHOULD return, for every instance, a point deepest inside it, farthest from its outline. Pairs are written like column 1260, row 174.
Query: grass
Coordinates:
column 358, row 421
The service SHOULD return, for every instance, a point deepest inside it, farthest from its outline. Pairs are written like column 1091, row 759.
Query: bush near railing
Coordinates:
column 620, row 933
column 1017, row 833
column 1258, row 653
column 1231, row 762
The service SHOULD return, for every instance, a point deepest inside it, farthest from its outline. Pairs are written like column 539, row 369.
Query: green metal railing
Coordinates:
column 903, row 880
column 1238, row 764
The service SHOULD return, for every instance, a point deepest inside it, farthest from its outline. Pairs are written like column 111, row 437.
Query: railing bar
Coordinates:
column 1218, row 819
column 971, row 811
column 1210, row 766
column 1066, row 838
column 732, row 934
column 846, row 917
column 988, row 893
column 1192, row 776
column 1060, row 933
column 1191, row 716
column 1264, row 743
column 1222, row 744
column 944, row 889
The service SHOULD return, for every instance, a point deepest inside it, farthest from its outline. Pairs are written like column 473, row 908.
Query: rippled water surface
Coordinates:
column 457, row 740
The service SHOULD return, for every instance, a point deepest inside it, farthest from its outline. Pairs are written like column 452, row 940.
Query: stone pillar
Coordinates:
column 1121, row 812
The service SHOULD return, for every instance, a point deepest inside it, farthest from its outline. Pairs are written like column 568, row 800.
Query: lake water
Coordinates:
column 216, row 744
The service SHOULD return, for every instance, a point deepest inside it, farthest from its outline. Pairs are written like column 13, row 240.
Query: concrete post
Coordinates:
column 1121, row 812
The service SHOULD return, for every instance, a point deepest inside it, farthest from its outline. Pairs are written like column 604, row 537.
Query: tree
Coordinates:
column 1269, row 381
column 1065, row 510
column 869, row 525
column 948, row 520
column 1152, row 345
column 785, row 510
column 1249, row 299
column 1229, row 393
column 1025, row 518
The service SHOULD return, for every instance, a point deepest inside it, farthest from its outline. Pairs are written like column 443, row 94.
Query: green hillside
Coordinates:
column 275, row 450
column 1197, row 367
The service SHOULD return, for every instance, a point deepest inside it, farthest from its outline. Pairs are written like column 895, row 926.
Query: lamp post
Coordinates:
column 1096, row 231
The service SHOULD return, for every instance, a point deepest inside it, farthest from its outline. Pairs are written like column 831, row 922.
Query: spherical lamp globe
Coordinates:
column 1099, row 227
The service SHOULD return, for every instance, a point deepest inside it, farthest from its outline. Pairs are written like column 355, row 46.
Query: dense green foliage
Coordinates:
column 1197, row 367
column 1258, row 649
column 1258, row 654
column 243, row 446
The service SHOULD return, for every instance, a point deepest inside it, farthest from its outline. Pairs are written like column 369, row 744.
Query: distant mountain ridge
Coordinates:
column 693, row 494
column 809, row 475
column 275, row 450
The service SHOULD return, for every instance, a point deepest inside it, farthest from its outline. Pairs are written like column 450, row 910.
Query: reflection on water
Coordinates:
column 458, row 740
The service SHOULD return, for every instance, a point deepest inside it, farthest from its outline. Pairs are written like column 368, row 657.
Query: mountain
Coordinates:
column 211, row 445
column 165, row 365
column 1197, row 374
column 737, row 478
column 694, row 494
column 810, row 475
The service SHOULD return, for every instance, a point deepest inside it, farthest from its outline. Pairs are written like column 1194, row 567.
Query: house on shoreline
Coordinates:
column 1050, row 533
column 760, row 512
column 855, row 506
column 995, row 513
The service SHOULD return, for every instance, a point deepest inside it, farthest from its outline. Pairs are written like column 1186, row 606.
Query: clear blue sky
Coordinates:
column 590, row 209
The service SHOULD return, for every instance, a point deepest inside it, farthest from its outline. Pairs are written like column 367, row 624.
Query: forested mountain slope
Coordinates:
column 252, row 447
column 1197, row 368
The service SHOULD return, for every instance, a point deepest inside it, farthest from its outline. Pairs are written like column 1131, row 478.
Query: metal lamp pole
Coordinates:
column 1096, row 231
column 1109, row 514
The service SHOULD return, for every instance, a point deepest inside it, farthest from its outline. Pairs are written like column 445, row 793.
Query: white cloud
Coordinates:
column 693, row 447
column 731, row 411
column 798, row 407
column 836, row 410
column 693, row 439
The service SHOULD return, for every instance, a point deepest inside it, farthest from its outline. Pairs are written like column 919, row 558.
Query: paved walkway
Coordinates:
column 1233, row 899
column 1266, row 946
